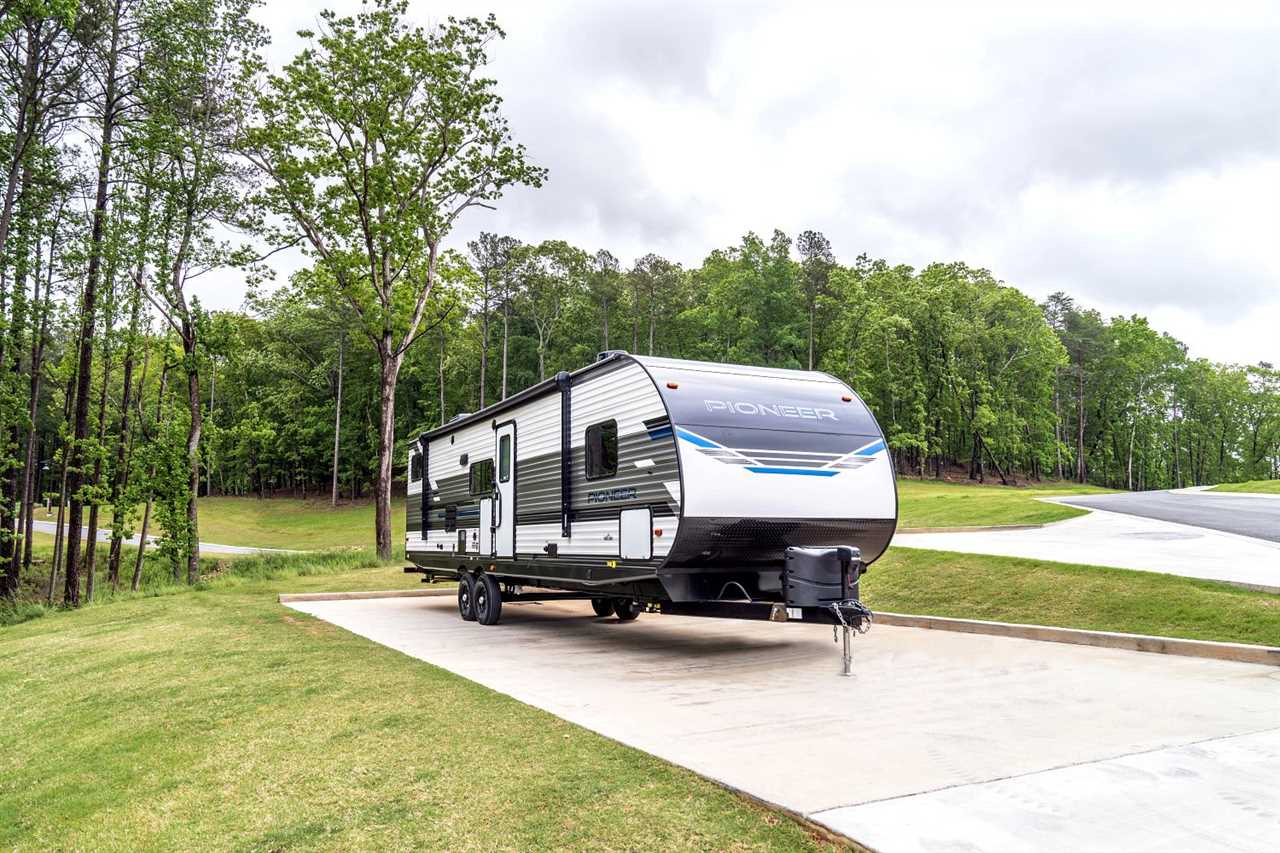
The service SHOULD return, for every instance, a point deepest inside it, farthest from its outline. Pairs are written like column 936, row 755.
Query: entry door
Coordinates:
column 504, row 492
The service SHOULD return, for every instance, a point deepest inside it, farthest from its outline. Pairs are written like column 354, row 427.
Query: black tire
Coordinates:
column 602, row 606
column 488, row 600
column 626, row 609
column 466, row 597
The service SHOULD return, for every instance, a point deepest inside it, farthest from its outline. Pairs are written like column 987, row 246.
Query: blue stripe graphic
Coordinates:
column 808, row 472
column 695, row 439
column 871, row 449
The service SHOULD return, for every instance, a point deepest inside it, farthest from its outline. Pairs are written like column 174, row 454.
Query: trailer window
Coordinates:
column 415, row 467
column 451, row 518
column 602, row 450
column 481, row 483
column 504, row 458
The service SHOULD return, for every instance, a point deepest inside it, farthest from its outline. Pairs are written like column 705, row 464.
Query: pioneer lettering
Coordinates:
column 776, row 410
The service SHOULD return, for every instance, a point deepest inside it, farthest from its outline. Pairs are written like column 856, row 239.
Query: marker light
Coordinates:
column 657, row 531
column 846, row 398
column 673, row 385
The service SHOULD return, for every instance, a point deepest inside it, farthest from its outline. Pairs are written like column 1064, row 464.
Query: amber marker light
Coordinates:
column 657, row 531
column 673, row 385
column 846, row 398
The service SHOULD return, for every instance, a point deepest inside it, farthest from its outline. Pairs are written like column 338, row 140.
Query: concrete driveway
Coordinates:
column 1230, row 512
column 1106, row 537
column 942, row 741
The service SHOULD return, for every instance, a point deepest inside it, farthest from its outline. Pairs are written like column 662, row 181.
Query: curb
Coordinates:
column 1239, row 652
column 288, row 597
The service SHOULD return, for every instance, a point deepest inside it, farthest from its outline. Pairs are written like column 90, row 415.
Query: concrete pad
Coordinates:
column 1123, row 541
column 759, row 706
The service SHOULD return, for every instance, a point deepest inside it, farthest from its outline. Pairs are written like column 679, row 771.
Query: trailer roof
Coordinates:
column 612, row 360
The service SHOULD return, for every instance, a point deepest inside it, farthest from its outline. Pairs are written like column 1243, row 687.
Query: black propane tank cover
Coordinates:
column 815, row 577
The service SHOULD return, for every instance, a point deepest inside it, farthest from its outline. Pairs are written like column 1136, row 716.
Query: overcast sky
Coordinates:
column 1127, row 154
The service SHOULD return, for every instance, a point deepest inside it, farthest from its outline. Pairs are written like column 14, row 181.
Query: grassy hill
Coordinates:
column 930, row 503
column 1261, row 487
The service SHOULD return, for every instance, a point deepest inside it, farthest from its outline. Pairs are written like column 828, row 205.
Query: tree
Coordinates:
column 492, row 257
column 552, row 273
column 605, row 285
column 816, row 266
column 372, row 142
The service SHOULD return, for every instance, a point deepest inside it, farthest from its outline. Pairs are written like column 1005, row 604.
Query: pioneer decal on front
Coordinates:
column 777, row 410
column 610, row 495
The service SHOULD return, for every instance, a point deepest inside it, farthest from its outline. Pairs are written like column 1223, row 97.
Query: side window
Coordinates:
column 602, row 450
column 415, row 467
column 504, row 458
column 481, row 482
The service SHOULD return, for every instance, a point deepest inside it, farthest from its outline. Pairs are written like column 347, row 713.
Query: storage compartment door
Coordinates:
column 635, row 534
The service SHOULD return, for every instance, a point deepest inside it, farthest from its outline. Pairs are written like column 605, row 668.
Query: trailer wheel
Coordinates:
column 602, row 606
column 466, row 597
column 488, row 600
column 626, row 609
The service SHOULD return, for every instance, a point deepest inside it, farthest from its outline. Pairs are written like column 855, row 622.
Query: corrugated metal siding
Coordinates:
column 626, row 395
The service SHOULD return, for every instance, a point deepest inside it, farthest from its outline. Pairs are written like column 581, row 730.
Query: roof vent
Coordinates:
column 459, row 417
column 610, row 353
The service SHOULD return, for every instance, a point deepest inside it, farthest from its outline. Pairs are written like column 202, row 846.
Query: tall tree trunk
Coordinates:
column 390, row 370
column 120, row 475
column 88, row 309
column 484, row 345
column 1081, row 469
column 506, row 322
column 440, row 375
column 337, row 419
column 136, row 582
column 23, row 127
column 91, row 534
column 605, row 318
column 812, row 311
column 193, row 450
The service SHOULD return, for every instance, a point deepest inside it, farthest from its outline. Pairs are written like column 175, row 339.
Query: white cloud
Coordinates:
column 1126, row 153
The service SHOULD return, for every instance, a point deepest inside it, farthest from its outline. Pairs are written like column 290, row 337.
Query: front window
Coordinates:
column 415, row 467
column 602, row 450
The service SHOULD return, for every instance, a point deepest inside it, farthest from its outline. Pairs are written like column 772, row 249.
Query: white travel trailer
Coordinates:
column 660, row 484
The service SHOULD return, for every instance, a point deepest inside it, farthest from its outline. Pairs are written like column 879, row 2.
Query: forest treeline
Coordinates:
column 146, row 145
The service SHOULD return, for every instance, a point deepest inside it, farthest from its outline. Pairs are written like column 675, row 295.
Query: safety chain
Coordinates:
column 864, row 623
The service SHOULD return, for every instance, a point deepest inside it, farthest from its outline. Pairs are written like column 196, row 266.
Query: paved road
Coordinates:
column 104, row 535
column 1124, row 541
column 1230, row 512
column 942, row 741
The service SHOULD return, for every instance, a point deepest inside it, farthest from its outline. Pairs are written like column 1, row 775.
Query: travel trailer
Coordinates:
column 658, row 484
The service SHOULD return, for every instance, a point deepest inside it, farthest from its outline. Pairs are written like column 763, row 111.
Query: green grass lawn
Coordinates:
column 1011, row 589
column 1262, row 487
column 929, row 503
column 285, row 522
column 218, row 719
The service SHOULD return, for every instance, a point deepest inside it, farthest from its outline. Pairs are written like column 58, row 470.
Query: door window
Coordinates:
column 504, row 458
